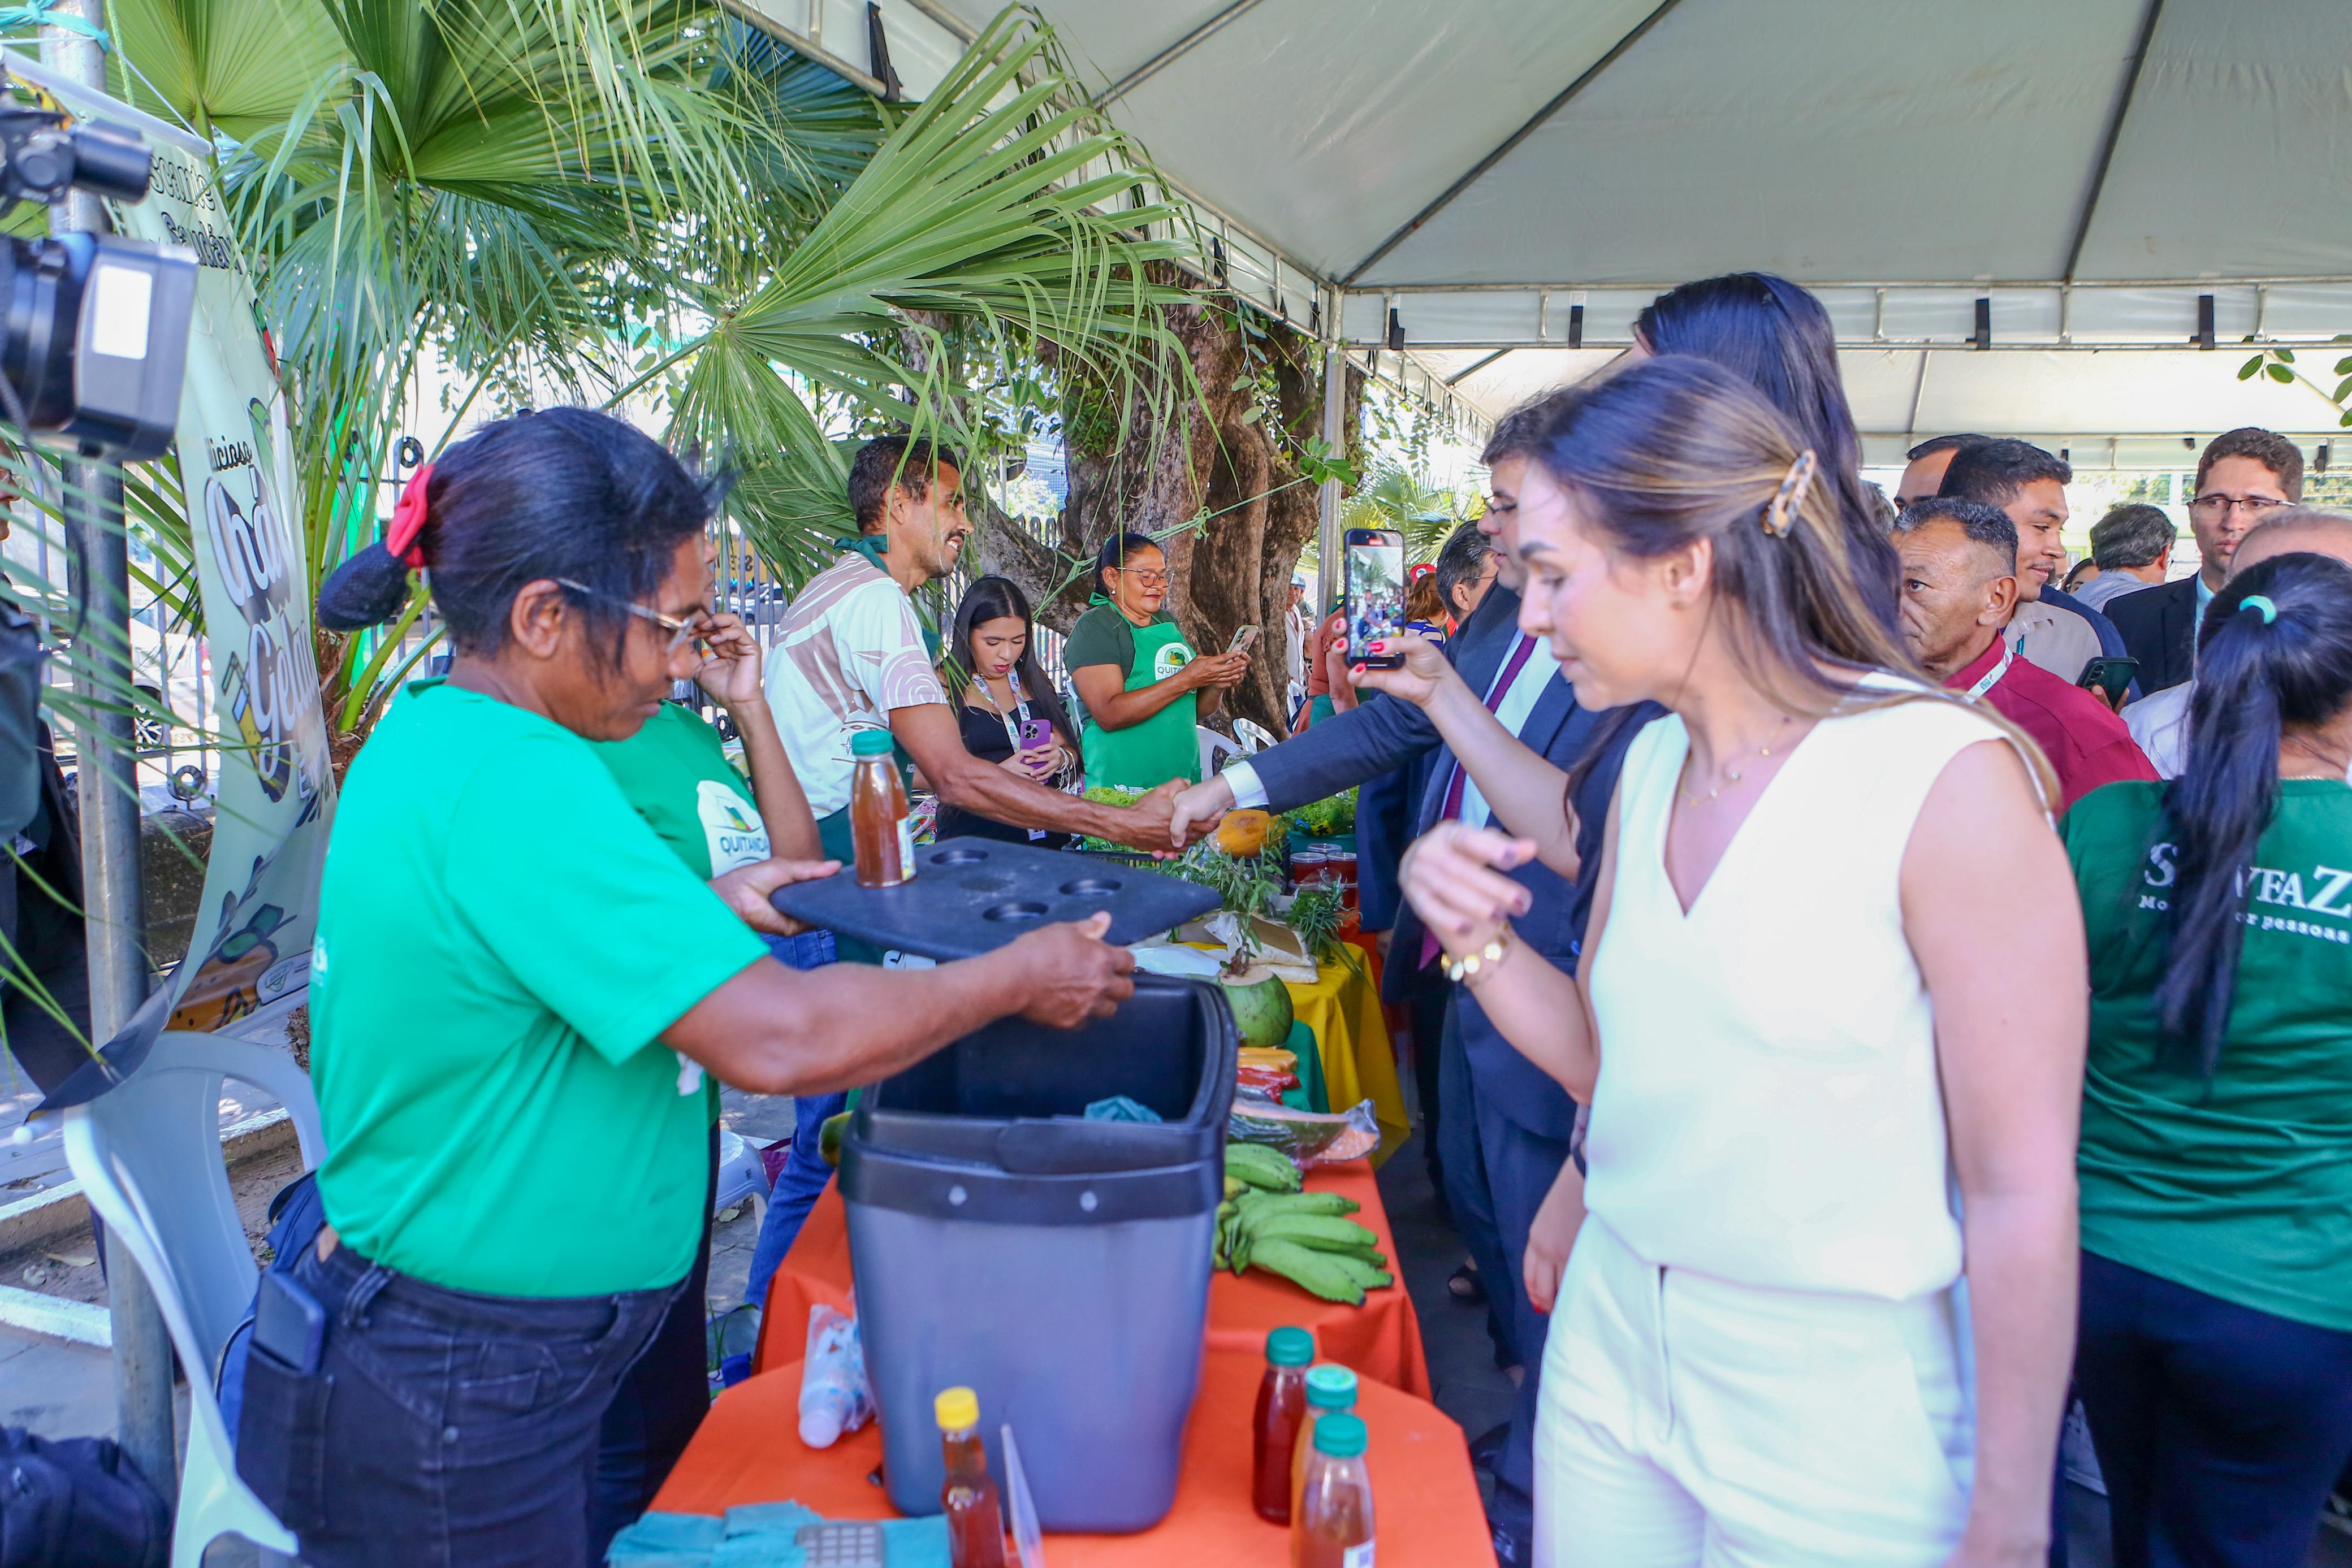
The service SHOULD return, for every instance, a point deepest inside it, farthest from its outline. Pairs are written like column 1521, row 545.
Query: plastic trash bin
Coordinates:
column 1059, row 1267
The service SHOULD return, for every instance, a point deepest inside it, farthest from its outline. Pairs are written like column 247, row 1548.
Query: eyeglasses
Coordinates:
column 1148, row 578
column 2218, row 506
column 681, row 632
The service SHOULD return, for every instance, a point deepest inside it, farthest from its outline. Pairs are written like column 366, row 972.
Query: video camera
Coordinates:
column 93, row 329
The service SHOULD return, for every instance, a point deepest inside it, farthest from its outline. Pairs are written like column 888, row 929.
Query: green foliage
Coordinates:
column 2279, row 365
column 1425, row 514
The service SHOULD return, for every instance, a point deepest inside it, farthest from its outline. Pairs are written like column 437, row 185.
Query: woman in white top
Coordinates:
column 1830, row 1025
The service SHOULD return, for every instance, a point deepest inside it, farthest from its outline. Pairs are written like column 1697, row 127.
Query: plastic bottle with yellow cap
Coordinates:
column 975, row 1522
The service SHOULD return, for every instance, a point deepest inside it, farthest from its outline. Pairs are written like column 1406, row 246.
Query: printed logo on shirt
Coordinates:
column 732, row 826
column 2324, row 890
column 1172, row 657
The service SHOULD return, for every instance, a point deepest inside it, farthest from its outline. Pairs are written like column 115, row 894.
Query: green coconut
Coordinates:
column 1261, row 1005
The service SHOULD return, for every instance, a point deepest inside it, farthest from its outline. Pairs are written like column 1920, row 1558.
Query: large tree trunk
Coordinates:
column 1233, row 571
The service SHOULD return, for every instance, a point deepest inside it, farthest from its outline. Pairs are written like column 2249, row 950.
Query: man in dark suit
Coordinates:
column 1508, row 1124
column 2244, row 476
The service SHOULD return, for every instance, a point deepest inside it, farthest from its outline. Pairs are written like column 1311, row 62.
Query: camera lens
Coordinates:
column 107, row 163
column 40, row 300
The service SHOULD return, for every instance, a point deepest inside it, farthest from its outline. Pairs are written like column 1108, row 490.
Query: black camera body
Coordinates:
column 93, row 329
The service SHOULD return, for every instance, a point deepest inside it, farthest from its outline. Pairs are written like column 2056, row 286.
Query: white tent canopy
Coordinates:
column 2048, row 220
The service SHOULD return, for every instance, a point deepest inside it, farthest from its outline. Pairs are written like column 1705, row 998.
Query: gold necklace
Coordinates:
column 1733, row 775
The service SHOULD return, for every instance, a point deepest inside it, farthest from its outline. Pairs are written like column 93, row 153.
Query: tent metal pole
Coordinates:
column 1591, row 73
column 1335, row 435
column 2114, row 134
column 108, row 780
column 1175, row 51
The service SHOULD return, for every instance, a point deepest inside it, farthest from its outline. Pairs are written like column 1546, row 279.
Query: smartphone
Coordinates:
column 1036, row 732
column 1375, row 595
column 2111, row 678
column 1244, row 641
column 288, row 1324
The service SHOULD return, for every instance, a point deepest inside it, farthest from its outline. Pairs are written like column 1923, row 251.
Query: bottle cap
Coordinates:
column 1331, row 1388
column 1341, row 1435
column 956, row 1409
column 870, row 743
column 1290, row 1347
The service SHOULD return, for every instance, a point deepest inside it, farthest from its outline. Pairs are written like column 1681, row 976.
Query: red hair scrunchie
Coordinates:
column 408, row 520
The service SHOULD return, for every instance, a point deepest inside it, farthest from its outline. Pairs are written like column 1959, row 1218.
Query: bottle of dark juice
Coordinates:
column 975, row 1523
column 1281, row 1405
column 881, row 824
column 1333, row 1526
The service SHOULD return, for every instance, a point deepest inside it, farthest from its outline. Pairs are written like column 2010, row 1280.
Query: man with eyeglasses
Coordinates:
column 2243, row 477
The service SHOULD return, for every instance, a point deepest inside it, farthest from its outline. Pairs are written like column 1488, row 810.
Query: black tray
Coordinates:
column 972, row 895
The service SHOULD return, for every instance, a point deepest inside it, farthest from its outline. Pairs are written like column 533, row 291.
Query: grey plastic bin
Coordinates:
column 1058, row 1267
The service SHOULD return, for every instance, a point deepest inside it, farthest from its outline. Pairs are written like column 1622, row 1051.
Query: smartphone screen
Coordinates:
column 1375, row 594
column 1244, row 641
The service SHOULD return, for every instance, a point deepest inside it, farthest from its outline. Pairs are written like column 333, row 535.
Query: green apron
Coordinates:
column 1165, row 745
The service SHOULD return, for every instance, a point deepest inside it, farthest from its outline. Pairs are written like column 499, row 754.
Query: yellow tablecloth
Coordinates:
column 1343, row 1007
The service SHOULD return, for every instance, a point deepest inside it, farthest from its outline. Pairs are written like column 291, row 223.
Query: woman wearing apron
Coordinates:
column 1146, row 692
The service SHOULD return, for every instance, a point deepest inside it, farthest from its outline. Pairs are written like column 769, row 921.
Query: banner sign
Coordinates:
column 274, row 797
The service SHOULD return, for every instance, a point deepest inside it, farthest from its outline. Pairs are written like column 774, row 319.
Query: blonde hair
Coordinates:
column 1676, row 450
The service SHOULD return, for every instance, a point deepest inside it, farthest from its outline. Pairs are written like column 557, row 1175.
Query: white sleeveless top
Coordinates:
column 1768, row 1110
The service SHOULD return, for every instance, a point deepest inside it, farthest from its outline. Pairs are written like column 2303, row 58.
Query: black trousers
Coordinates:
column 440, row 1426
column 1497, row 1174
column 2217, row 1427
column 661, row 1400
column 44, row 941
column 1426, row 1006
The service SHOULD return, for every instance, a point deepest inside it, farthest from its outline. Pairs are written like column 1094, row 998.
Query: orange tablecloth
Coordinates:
column 1425, row 1499
column 1380, row 1339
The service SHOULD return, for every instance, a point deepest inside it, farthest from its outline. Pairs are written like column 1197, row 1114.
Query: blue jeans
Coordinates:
column 802, row 1181
column 440, row 1426
column 798, row 1186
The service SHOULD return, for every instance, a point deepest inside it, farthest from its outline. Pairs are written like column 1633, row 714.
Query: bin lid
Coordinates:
column 972, row 895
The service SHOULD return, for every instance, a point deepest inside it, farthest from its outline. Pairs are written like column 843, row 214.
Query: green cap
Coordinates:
column 1331, row 1388
column 870, row 743
column 1341, row 1435
column 1290, row 1347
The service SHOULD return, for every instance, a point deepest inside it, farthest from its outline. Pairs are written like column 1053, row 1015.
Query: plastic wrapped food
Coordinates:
column 1273, row 1083
column 835, row 1394
column 1309, row 1138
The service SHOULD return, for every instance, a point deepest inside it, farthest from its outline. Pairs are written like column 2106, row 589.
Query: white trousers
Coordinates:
column 1688, row 1422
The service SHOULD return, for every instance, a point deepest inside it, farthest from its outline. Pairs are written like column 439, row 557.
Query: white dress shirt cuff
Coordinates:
column 1247, row 790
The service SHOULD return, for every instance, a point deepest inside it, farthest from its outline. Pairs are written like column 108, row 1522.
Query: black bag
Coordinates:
column 77, row 1502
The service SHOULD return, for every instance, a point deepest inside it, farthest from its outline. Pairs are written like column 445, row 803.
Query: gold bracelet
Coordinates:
column 1470, row 965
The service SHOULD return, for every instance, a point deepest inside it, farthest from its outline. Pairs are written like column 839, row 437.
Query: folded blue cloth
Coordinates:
column 1119, row 1108
column 666, row 1540
column 762, row 1535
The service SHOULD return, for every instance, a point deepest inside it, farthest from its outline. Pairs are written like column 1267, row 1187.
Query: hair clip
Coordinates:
column 1777, row 519
column 2261, row 605
column 400, row 541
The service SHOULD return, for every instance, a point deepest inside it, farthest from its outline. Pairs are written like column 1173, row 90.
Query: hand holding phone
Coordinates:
column 1244, row 641
column 1036, row 732
column 2110, row 679
column 1375, row 601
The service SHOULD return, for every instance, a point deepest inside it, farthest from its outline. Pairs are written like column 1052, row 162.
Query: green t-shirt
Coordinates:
column 1104, row 635
column 676, row 773
column 2240, row 1187
column 1150, row 752
column 501, row 942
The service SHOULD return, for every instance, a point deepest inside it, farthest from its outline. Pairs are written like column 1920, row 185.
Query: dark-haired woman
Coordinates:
column 2216, row 1164
column 1777, row 337
column 1814, row 1110
column 991, row 671
column 1145, row 690
column 507, row 958
column 675, row 772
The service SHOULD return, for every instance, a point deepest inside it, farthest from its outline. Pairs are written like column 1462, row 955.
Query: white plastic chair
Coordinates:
column 1254, row 737
column 1214, row 749
column 148, row 1156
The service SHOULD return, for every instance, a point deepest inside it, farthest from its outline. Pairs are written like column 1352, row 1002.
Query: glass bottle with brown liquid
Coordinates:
column 881, row 824
column 975, row 1522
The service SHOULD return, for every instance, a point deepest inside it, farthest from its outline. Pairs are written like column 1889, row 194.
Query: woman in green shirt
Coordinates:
column 1145, row 690
column 506, row 957
column 2215, row 1358
column 675, row 772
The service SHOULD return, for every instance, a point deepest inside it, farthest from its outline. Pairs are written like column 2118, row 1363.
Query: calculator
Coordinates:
column 840, row 1544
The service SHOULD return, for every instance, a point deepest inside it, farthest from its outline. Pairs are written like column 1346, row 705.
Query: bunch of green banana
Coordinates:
column 1304, row 1237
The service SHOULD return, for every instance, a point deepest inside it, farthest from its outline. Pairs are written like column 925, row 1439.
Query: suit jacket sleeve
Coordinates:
column 1343, row 751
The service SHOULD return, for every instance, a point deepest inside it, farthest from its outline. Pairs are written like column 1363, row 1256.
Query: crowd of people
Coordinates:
column 1843, row 1036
